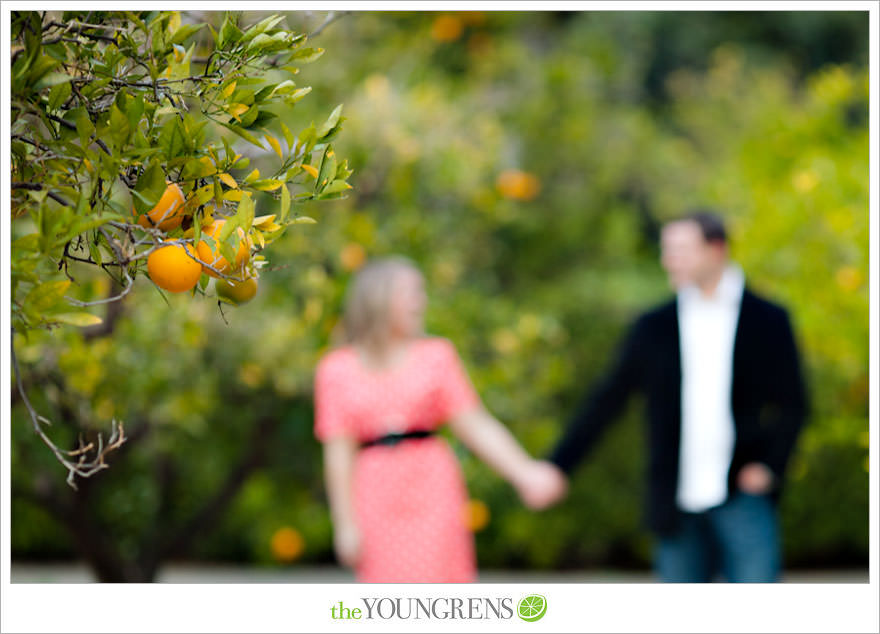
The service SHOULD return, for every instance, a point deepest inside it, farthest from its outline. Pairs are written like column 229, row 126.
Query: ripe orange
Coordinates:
column 168, row 212
column 287, row 544
column 475, row 515
column 446, row 28
column 212, row 255
column 237, row 292
column 172, row 269
column 518, row 185
column 352, row 256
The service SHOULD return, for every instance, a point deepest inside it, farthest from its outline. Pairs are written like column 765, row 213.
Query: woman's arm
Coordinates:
column 538, row 483
column 339, row 455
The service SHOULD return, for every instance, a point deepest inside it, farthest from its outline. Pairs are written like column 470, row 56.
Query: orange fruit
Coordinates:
column 446, row 28
column 237, row 292
column 212, row 255
column 168, row 212
column 172, row 269
column 518, row 185
column 287, row 544
column 352, row 256
column 476, row 515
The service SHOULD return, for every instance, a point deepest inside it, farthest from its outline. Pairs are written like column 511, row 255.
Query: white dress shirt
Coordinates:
column 707, row 327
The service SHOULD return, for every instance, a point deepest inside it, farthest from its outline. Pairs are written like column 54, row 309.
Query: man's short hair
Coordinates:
column 710, row 223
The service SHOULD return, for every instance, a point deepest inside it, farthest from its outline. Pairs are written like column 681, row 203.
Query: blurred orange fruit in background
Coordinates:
column 287, row 544
column 517, row 184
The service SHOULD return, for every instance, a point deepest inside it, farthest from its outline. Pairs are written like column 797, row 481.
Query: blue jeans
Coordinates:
column 739, row 539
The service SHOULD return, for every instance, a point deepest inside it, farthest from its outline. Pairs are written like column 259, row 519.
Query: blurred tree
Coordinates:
column 111, row 165
column 122, row 163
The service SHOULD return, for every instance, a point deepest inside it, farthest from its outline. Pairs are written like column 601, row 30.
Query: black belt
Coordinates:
column 390, row 440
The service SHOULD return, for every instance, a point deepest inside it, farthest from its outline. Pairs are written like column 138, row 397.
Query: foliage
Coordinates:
column 107, row 113
column 534, row 278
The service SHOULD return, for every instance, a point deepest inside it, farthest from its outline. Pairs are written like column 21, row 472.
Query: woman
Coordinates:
column 396, row 491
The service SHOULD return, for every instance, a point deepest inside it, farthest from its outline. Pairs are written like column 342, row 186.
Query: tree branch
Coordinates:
column 330, row 19
column 83, row 466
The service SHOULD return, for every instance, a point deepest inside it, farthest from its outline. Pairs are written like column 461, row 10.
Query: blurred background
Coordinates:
column 524, row 161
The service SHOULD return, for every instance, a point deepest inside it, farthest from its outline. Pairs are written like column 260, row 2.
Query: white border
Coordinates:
column 572, row 607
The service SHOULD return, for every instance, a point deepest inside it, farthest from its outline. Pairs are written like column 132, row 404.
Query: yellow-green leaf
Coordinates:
column 77, row 319
column 237, row 109
column 266, row 185
column 275, row 145
column 285, row 203
column 228, row 90
column 228, row 180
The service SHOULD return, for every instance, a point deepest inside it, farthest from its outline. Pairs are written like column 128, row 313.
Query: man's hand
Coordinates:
column 755, row 478
column 541, row 484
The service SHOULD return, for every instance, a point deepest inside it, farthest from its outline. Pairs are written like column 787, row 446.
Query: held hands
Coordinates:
column 540, row 484
column 755, row 478
column 347, row 543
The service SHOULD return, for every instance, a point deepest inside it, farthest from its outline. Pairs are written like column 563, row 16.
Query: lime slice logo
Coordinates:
column 532, row 607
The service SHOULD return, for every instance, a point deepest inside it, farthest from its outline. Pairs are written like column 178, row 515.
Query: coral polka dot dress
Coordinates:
column 409, row 497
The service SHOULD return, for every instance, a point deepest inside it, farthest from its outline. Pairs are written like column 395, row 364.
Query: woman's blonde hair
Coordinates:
column 366, row 318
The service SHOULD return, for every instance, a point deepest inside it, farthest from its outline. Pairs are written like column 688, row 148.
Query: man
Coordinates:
column 725, row 401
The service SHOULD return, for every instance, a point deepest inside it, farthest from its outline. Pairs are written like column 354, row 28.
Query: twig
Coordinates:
column 36, row 187
column 330, row 19
column 83, row 467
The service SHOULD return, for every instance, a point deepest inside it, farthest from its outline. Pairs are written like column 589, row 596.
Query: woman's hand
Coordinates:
column 541, row 484
column 339, row 457
column 347, row 543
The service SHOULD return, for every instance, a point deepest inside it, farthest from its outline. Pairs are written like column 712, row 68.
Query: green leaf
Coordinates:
column 306, row 55
column 336, row 187
column 331, row 122
column 249, row 117
column 77, row 319
column 244, row 215
column 84, row 224
column 307, row 139
column 58, row 95
column 134, row 110
column 150, row 187
column 52, row 79
column 285, row 204
column 297, row 95
column 266, row 184
column 39, row 69
column 288, row 136
column 119, row 126
column 284, row 88
column 84, row 128
column 229, row 32
column 327, row 171
column 244, row 134
column 172, row 139
column 184, row 32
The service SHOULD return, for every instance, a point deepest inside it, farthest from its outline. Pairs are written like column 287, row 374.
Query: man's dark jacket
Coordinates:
column 767, row 397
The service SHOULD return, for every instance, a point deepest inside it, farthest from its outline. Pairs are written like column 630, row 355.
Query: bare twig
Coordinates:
column 83, row 466
column 332, row 16
column 122, row 263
